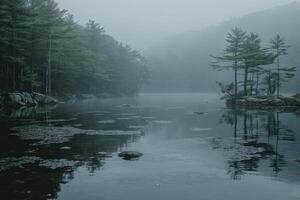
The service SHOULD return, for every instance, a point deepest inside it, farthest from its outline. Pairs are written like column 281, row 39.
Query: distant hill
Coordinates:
column 182, row 63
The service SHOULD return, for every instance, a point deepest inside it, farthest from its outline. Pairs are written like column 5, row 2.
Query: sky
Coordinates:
column 142, row 23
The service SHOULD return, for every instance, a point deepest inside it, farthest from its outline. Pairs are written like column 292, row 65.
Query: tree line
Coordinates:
column 43, row 49
column 257, row 69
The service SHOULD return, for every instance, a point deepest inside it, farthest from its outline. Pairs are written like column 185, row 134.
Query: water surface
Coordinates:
column 193, row 146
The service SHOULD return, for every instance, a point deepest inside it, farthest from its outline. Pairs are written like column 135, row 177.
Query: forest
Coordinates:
column 43, row 49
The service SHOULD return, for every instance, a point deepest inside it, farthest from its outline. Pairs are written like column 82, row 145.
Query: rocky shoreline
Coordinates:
column 266, row 102
column 24, row 99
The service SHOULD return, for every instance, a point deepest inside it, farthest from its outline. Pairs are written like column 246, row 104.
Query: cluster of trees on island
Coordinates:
column 260, row 67
column 43, row 49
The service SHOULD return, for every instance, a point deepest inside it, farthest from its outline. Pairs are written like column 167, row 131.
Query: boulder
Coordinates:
column 44, row 99
column 130, row 155
column 25, row 99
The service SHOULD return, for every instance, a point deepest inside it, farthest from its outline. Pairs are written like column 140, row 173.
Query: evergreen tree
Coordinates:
column 278, row 45
column 42, row 49
column 253, row 56
column 232, row 54
column 14, row 30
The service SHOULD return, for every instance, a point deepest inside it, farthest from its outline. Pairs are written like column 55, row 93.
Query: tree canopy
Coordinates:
column 43, row 49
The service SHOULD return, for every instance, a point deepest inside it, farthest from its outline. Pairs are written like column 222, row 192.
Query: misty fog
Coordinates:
column 142, row 23
column 149, row 99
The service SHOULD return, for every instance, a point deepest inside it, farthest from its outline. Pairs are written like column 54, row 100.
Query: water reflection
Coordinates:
column 43, row 151
column 35, row 168
column 257, row 139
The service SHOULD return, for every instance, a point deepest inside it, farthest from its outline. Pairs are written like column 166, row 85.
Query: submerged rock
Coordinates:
column 130, row 155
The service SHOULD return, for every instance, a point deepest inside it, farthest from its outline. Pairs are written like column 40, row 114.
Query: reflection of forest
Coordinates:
column 36, row 182
column 261, row 131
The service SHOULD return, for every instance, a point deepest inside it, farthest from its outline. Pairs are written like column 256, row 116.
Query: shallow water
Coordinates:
column 194, row 148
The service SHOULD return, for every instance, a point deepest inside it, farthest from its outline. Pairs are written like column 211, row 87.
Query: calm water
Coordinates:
column 194, row 148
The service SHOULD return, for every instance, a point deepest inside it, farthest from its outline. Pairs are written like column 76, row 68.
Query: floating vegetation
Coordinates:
column 66, row 148
column 8, row 163
column 162, row 122
column 77, row 125
column 147, row 118
column 57, row 120
column 136, row 127
column 124, row 118
column 201, row 129
column 58, row 163
column 128, row 114
column 105, row 154
column 58, row 135
column 107, row 122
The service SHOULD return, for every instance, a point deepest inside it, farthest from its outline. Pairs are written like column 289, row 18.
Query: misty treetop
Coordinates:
column 258, row 68
column 43, row 49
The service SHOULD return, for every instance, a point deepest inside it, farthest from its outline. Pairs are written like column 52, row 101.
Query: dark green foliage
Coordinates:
column 232, row 54
column 42, row 49
column 279, row 48
column 247, row 53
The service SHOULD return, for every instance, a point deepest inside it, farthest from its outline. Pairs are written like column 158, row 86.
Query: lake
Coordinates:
column 193, row 148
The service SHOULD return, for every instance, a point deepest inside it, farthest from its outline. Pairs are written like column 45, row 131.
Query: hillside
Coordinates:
column 182, row 63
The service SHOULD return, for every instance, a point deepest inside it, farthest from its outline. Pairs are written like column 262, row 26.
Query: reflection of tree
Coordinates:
column 32, row 183
column 257, row 136
column 35, row 182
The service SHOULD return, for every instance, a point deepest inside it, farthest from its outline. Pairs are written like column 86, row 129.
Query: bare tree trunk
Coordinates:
column 235, row 80
column 245, row 126
column 278, row 75
column 246, row 81
column 49, row 70
column 257, row 82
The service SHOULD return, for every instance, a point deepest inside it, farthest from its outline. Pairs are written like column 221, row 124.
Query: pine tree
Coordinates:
column 254, row 56
column 232, row 54
column 14, row 30
column 278, row 45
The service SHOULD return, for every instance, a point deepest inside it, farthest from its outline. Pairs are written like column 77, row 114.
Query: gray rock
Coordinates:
column 25, row 99
column 44, row 99
column 130, row 155
column 265, row 101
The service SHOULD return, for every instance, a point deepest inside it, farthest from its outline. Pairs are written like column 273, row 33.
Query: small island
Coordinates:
column 260, row 69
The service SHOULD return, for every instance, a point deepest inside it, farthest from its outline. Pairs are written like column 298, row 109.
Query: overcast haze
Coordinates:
column 141, row 23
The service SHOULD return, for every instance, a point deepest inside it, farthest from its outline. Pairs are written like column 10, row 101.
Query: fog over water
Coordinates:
column 142, row 23
column 150, row 99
